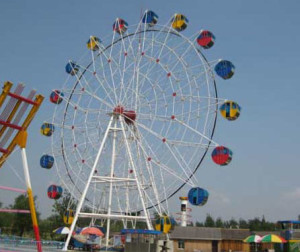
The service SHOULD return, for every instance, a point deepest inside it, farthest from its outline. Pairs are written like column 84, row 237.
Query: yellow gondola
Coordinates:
column 47, row 129
column 93, row 43
column 179, row 22
column 163, row 224
column 68, row 216
column 230, row 110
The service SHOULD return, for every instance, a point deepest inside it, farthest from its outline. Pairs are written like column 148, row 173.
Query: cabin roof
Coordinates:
column 205, row 233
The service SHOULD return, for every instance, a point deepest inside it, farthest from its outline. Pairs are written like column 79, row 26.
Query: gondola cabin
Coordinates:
column 56, row 97
column 72, row 68
column 54, row 192
column 198, row 196
column 68, row 216
column 47, row 129
column 221, row 155
column 225, row 69
column 120, row 26
column 150, row 18
column 206, row 39
column 93, row 43
column 163, row 224
column 179, row 22
column 47, row 161
column 129, row 116
column 230, row 110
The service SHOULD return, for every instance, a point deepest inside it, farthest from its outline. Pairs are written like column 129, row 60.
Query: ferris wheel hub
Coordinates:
column 129, row 115
column 119, row 110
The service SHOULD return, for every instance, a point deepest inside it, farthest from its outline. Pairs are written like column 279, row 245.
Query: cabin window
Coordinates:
column 181, row 244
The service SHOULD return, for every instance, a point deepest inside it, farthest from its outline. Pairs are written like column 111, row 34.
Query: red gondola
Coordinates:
column 120, row 26
column 206, row 39
column 221, row 155
column 56, row 96
column 54, row 192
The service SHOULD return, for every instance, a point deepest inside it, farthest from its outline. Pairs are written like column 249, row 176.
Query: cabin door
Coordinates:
column 214, row 246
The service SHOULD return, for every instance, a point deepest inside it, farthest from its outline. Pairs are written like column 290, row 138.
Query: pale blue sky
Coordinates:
column 261, row 38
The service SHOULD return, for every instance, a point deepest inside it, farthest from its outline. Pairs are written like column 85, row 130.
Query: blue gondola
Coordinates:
column 198, row 196
column 72, row 68
column 150, row 18
column 225, row 69
column 47, row 161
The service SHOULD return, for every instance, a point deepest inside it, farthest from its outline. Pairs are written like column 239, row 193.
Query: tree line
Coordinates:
column 21, row 225
column 255, row 224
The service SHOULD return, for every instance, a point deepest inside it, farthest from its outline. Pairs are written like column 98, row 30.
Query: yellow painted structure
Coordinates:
column 20, row 138
column 39, row 99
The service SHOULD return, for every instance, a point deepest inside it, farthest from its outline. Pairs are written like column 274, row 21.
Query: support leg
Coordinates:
column 79, row 206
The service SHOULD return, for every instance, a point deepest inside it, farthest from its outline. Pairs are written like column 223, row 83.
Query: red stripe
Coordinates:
column 37, row 237
column 22, row 98
column 5, row 151
column 10, row 125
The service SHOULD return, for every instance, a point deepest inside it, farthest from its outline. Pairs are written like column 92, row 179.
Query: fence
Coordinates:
column 16, row 243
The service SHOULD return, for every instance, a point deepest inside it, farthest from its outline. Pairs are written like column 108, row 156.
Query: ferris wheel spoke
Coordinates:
column 104, row 88
column 151, row 176
column 173, row 141
column 156, row 160
column 159, row 137
column 102, row 66
column 197, row 132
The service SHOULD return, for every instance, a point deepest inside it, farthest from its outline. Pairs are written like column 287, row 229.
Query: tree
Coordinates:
column 209, row 221
column 199, row 224
column 233, row 223
column 243, row 224
column 219, row 223
column 254, row 224
column 22, row 222
column 5, row 221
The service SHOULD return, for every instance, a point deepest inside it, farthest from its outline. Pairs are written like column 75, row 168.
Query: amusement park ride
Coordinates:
column 134, row 121
column 13, row 132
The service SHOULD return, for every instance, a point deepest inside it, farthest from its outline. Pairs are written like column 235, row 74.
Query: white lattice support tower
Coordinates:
column 111, row 180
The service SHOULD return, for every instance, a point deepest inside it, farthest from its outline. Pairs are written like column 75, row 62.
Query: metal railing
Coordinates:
column 27, row 244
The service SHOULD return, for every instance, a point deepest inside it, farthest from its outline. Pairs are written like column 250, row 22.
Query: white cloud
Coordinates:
column 292, row 195
column 219, row 197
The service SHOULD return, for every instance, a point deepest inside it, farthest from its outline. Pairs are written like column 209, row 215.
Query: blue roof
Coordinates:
column 289, row 221
column 140, row 231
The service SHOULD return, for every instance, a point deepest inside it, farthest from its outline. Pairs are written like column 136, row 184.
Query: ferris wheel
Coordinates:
column 135, row 119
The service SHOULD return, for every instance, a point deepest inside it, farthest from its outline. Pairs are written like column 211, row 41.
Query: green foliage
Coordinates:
column 22, row 222
column 255, row 224
column 219, row 223
column 6, row 220
column 209, row 221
